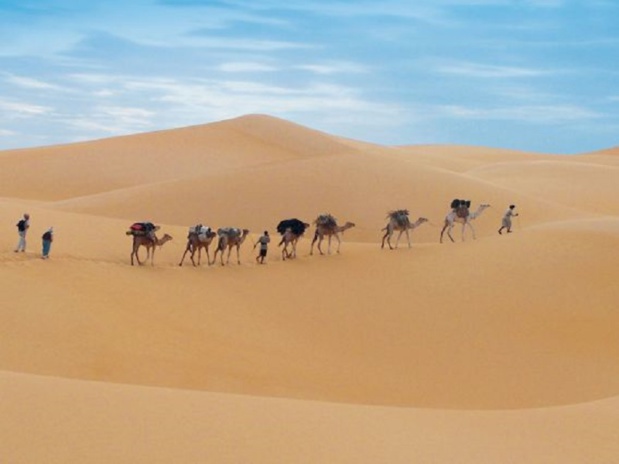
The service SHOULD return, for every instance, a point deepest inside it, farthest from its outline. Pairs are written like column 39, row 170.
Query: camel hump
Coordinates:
column 229, row 232
column 462, row 211
column 400, row 216
column 201, row 231
column 326, row 220
column 296, row 226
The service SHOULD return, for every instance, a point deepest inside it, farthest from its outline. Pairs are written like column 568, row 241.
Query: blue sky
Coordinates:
column 536, row 75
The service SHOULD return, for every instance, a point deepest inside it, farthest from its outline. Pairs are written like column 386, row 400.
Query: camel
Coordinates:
column 150, row 242
column 291, row 231
column 326, row 225
column 230, row 237
column 398, row 220
column 460, row 215
column 199, row 237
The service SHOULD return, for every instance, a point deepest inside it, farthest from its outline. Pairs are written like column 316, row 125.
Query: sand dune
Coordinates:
column 500, row 349
column 56, row 420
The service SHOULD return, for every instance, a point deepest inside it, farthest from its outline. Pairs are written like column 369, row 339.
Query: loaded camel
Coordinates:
column 326, row 226
column 230, row 237
column 199, row 237
column 462, row 215
column 150, row 242
column 291, row 231
column 398, row 220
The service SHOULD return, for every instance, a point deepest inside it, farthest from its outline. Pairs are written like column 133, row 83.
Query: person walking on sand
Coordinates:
column 47, row 238
column 506, row 222
column 22, row 229
column 264, row 246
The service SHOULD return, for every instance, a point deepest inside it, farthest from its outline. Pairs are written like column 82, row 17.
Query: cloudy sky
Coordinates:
column 538, row 75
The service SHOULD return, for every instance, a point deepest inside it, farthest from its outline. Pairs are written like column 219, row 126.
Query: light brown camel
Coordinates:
column 199, row 237
column 150, row 242
column 465, row 219
column 291, row 230
column 230, row 237
column 326, row 226
column 398, row 220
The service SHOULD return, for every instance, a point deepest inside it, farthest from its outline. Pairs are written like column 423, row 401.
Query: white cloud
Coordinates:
column 240, row 67
column 126, row 114
column 29, row 83
column 333, row 68
column 525, row 113
column 7, row 133
column 23, row 109
column 477, row 70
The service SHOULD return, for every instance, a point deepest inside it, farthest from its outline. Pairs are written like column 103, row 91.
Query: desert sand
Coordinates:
column 494, row 350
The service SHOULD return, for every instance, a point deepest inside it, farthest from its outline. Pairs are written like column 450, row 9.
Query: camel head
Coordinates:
column 244, row 236
column 480, row 210
column 164, row 239
column 421, row 220
column 348, row 225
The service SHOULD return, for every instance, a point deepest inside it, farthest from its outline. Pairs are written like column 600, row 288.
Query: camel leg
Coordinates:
column 134, row 251
column 397, row 240
column 449, row 232
column 443, row 231
column 152, row 255
column 137, row 255
column 318, row 245
column 238, row 254
column 472, row 230
column 184, row 254
column 229, row 252
column 408, row 237
column 329, row 247
column 208, row 255
column 339, row 242
column 313, row 241
column 387, row 236
column 198, row 249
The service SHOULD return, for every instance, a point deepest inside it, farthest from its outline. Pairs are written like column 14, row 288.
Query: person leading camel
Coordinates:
column 506, row 222
column 264, row 246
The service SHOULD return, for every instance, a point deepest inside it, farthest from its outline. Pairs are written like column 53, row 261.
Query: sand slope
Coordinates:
column 458, row 352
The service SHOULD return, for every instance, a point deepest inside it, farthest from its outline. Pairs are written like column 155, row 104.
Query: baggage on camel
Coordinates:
column 201, row 231
column 326, row 220
column 296, row 226
column 142, row 229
